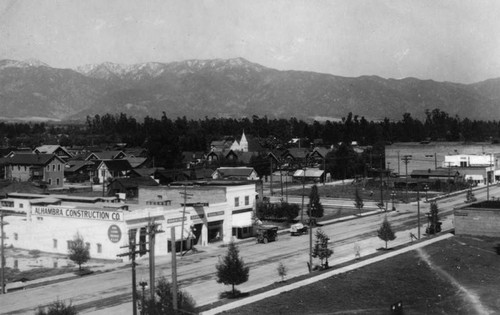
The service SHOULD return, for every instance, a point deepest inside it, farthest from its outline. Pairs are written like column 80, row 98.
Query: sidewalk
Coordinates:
column 261, row 296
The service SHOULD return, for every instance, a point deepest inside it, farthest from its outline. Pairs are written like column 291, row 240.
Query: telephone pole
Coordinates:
column 186, row 197
column 2, row 258
column 152, row 229
column 406, row 159
column 131, row 255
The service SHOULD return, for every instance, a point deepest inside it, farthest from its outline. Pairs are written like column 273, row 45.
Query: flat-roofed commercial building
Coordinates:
column 200, row 214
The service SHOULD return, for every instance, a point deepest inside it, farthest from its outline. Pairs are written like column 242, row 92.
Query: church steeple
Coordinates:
column 244, row 142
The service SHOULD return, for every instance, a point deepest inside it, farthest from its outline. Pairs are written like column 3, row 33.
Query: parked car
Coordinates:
column 298, row 229
column 267, row 233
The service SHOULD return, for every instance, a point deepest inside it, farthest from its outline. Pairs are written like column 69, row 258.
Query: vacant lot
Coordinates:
column 455, row 276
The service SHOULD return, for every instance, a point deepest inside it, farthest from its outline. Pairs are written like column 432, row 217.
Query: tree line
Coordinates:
column 165, row 138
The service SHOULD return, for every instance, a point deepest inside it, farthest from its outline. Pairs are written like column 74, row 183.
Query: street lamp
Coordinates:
column 393, row 195
column 143, row 284
column 426, row 188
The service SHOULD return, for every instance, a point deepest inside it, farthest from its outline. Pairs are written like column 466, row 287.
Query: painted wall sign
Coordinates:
column 197, row 216
column 101, row 215
column 173, row 220
column 213, row 214
column 114, row 233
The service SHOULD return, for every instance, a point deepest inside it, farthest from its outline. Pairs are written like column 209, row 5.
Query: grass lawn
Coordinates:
column 438, row 279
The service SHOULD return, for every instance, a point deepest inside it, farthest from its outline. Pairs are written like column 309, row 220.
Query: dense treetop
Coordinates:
column 165, row 138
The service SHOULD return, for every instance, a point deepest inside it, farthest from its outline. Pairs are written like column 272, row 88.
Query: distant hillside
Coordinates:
column 228, row 88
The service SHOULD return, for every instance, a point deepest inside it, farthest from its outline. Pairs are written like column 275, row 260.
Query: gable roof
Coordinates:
column 297, row 153
column 235, row 171
column 75, row 165
column 117, row 165
column 146, row 171
column 310, row 172
column 105, row 155
column 136, row 161
column 51, row 149
column 30, row 159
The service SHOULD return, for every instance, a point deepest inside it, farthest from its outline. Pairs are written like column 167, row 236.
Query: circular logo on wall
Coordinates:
column 114, row 233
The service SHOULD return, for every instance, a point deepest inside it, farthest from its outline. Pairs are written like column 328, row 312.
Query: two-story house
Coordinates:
column 41, row 168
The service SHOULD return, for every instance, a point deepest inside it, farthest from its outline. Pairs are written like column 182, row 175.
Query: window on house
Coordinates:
column 50, row 181
column 87, row 245
column 57, row 181
column 25, row 168
column 70, row 243
column 48, row 167
column 53, row 167
column 247, row 200
column 21, row 205
column 236, row 201
column 15, row 236
column 18, row 167
column 54, row 242
column 99, row 248
column 12, row 167
column 58, row 167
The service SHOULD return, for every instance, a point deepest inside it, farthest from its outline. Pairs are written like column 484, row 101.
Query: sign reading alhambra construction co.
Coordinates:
column 90, row 214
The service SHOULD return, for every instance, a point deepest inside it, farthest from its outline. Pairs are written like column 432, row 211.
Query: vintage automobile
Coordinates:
column 298, row 229
column 267, row 233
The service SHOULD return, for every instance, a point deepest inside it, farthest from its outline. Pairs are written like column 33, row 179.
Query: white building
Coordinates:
column 49, row 223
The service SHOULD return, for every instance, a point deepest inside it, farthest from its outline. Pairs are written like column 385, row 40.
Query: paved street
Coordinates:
column 109, row 293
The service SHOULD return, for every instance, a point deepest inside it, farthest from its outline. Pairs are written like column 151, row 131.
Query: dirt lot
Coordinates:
column 460, row 275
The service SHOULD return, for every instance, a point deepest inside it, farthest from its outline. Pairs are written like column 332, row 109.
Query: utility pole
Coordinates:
column 271, row 176
column 152, row 230
column 303, row 191
column 174, row 268
column 381, row 184
column 448, row 164
column 131, row 255
column 281, row 182
column 186, row 196
column 406, row 159
column 2, row 258
column 103, row 181
column 310, row 241
column 324, row 170
column 418, row 211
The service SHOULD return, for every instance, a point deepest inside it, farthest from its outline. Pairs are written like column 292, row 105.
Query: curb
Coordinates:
column 273, row 292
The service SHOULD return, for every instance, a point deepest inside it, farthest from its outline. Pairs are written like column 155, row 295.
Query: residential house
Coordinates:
column 145, row 171
column 78, row 171
column 221, row 145
column 295, row 157
column 112, row 169
column 137, row 162
column 166, row 177
column 193, row 158
column 56, row 149
column 240, row 157
column 46, row 169
column 129, row 186
column 106, row 155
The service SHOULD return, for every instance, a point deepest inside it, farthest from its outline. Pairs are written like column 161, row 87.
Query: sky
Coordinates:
column 441, row 40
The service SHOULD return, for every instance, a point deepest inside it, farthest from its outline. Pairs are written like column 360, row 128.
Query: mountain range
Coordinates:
column 228, row 88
